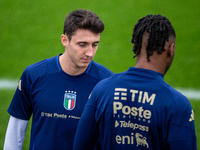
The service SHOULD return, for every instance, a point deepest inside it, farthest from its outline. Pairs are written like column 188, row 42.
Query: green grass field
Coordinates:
column 30, row 31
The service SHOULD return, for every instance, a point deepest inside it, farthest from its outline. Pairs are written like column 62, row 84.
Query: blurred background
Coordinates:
column 30, row 31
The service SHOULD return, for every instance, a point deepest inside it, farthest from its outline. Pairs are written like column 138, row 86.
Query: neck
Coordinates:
column 155, row 63
column 68, row 67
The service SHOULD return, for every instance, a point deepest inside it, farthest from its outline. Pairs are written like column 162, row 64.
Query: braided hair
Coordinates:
column 159, row 29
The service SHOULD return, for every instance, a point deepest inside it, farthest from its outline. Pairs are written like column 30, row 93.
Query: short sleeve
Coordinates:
column 20, row 106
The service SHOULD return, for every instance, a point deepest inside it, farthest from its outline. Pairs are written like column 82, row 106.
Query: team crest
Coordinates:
column 69, row 100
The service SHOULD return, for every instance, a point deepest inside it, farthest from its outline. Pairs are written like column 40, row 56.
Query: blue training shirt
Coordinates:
column 136, row 110
column 56, row 101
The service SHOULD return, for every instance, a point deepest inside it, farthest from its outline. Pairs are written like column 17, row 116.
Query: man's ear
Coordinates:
column 64, row 40
column 171, row 50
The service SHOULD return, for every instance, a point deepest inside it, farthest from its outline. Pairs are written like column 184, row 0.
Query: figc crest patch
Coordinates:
column 69, row 100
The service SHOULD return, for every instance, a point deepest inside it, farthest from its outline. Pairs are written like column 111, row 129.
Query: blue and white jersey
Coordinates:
column 55, row 100
column 137, row 110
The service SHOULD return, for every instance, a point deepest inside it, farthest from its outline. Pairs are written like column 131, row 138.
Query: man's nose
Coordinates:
column 89, row 51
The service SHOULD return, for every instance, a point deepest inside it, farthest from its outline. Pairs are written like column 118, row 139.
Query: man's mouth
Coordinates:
column 85, row 60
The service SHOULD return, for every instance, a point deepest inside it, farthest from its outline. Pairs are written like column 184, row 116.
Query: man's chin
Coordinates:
column 84, row 65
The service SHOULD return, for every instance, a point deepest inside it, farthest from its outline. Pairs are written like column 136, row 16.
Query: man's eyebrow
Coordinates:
column 87, row 42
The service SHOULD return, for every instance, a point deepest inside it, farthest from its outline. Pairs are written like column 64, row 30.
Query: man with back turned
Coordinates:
column 137, row 109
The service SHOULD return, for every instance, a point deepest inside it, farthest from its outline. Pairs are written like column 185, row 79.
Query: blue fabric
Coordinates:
column 137, row 110
column 55, row 100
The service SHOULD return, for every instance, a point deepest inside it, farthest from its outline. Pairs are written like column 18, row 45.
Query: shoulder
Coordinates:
column 183, row 109
column 99, row 71
column 103, row 91
column 41, row 68
column 179, row 98
column 110, row 82
column 174, row 99
column 182, row 103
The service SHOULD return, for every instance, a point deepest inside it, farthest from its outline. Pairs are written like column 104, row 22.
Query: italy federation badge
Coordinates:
column 69, row 100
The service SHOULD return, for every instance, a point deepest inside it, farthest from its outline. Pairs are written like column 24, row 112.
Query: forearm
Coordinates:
column 15, row 134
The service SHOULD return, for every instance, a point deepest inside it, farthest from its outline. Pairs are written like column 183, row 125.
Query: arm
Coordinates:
column 15, row 134
column 188, row 140
column 87, row 131
column 181, row 131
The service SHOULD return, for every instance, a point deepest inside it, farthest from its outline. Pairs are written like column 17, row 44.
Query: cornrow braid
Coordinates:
column 159, row 29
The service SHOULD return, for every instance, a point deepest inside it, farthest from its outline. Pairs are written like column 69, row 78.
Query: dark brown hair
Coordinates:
column 82, row 19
